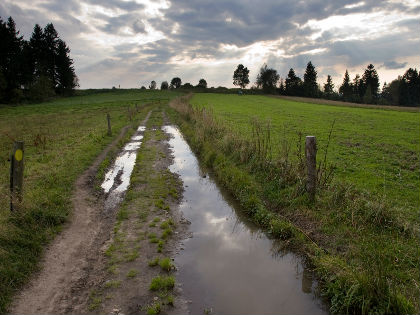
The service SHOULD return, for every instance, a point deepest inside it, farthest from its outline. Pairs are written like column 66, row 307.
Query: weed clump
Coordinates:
column 166, row 264
column 160, row 246
column 162, row 283
column 153, row 309
column 153, row 262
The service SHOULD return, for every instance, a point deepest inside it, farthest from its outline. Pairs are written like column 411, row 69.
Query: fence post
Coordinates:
column 137, row 109
column 16, row 174
column 129, row 113
column 108, row 118
column 310, row 153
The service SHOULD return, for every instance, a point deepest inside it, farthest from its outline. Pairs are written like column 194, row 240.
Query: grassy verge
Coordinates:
column 62, row 138
column 375, row 150
column 364, row 250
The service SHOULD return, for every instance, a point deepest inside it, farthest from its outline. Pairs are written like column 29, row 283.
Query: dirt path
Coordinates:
column 74, row 262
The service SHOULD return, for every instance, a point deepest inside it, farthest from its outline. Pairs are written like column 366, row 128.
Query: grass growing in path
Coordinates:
column 62, row 138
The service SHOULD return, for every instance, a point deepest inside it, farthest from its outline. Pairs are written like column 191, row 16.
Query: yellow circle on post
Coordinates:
column 18, row 155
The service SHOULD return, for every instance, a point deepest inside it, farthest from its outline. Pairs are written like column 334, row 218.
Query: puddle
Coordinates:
column 117, row 179
column 229, row 266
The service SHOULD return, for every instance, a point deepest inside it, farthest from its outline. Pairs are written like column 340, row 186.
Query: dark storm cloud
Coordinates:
column 197, row 30
column 393, row 65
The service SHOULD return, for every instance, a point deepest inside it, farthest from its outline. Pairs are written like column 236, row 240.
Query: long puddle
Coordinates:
column 117, row 179
column 230, row 266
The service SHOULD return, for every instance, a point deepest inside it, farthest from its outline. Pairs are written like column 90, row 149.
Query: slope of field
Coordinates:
column 62, row 138
column 375, row 150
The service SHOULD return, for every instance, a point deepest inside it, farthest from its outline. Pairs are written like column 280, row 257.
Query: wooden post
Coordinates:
column 109, row 124
column 310, row 153
column 16, row 175
column 129, row 113
column 137, row 109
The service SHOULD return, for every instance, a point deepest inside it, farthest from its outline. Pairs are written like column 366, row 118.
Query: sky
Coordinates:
column 129, row 43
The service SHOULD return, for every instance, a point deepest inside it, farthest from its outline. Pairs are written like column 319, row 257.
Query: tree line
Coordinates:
column 403, row 91
column 176, row 83
column 34, row 70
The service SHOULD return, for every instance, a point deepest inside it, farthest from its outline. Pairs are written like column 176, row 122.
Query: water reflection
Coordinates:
column 229, row 265
column 117, row 179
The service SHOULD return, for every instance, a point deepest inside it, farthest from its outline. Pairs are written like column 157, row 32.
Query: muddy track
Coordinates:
column 74, row 262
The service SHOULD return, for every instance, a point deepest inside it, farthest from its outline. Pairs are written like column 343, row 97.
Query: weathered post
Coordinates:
column 109, row 124
column 129, row 113
column 310, row 153
column 137, row 109
column 16, row 175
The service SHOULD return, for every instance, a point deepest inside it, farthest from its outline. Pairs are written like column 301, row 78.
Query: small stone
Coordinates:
column 155, row 298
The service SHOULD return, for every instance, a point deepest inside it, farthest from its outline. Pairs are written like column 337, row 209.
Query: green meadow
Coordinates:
column 375, row 150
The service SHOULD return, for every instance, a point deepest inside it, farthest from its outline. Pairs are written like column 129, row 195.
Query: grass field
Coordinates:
column 375, row 150
column 62, row 138
column 360, row 235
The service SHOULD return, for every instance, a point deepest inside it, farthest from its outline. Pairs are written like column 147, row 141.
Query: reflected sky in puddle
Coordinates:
column 117, row 179
column 229, row 265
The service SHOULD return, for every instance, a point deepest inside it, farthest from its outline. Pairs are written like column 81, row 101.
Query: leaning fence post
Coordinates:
column 310, row 153
column 108, row 118
column 16, row 174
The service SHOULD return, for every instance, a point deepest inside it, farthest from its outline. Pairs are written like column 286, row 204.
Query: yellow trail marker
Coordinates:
column 18, row 155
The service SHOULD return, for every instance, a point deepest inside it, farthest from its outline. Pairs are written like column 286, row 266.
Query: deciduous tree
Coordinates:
column 175, row 83
column 164, row 85
column 241, row 76
column 202, row 84
column 267, row 79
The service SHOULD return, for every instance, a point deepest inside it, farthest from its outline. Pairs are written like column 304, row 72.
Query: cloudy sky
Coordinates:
column 131, row 42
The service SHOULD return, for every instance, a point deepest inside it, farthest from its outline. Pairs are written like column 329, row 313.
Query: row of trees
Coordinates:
column 404, row 91
column 36, row 69
column 176, row 83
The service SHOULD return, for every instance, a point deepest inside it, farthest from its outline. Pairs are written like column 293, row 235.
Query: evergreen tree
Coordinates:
column 10, row 60
column 65, row 75
column 293, row 84
column 370, row 84
column 37, row 47
column 241, row 76
column 51, row 52
column 282, row 88
column 310, row 85
column 409, row 89
column 346, row 88
column 357, row 89
column 329, row 87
